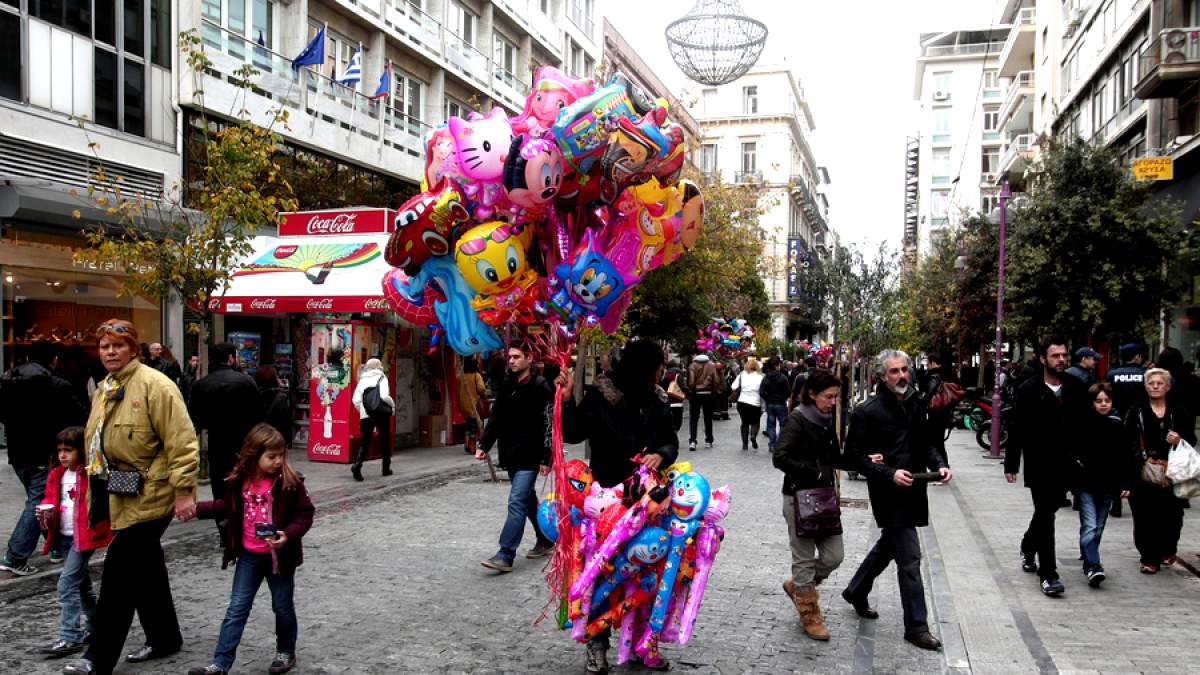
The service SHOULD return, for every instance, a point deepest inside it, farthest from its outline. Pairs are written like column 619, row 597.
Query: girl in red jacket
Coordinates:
column 64, row 515
column 267, row 510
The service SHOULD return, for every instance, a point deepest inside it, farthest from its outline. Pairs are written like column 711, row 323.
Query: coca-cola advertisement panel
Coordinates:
column 336, row 223
column 330, row 389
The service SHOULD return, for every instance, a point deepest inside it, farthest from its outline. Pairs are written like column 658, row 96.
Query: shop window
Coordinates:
column 10, row 56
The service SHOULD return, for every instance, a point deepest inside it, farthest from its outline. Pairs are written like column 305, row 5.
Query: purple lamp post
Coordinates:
column 1005, row 195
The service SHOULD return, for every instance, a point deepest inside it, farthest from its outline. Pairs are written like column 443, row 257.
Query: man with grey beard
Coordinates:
column 894, row 423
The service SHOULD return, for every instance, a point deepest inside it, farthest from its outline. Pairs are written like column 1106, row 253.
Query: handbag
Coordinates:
column 483, row 408
column 735, row 393
column 1154, row 471
column 374, row 404
column 817, row 512
column 947, row 394
column 122, row 482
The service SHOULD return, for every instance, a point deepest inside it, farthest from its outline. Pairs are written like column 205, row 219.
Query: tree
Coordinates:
column 720, row 275
column 169, row 250
column 1092, row 255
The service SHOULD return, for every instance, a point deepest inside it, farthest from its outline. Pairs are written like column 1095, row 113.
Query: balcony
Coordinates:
column 1114, row 126
column 1017, row 155
column 526, row 14
column 1018, row 48
column 323, row 114
column 1170, row 63
column 422, row 30
column 577, row 13
column 1016, row 113
column 748, row 177
column 511, row 90
column 468, row 61
column 807, row 201
column 964, row 50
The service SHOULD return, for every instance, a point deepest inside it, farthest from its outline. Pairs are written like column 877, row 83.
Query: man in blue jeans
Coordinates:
column 774, row 391
column 520, row 424
column 35, row 405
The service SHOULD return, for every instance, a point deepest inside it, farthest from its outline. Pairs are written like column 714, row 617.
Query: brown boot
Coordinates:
column 809, row 609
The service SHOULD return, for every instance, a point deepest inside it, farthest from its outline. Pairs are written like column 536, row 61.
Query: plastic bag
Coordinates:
column 1188, row 489
column 1183, row 464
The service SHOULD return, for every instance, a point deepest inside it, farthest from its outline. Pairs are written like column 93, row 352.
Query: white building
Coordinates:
column 757, row 131
column 958, row 86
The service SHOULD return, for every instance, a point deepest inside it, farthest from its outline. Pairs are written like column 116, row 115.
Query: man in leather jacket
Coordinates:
column 894, row 424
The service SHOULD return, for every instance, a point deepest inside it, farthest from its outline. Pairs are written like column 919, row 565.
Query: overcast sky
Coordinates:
column 856, row 63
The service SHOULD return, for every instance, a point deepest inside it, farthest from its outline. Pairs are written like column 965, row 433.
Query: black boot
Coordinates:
column 745, row 440
column 754, row 437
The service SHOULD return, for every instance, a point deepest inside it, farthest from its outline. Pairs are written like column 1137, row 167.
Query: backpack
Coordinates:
column 374, row 404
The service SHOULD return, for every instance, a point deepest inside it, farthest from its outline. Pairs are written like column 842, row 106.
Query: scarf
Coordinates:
column 97, row 465
column 815, row 416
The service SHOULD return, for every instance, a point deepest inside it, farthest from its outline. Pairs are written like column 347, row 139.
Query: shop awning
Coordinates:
column 308, row 274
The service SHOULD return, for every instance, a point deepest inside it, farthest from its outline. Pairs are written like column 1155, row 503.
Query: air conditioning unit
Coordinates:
column 1175, row 46
column 940, row 95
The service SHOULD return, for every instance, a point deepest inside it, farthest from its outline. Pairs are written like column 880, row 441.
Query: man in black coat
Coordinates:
column 520, row 423
column 226, row 402
column 894, row 424
column 35, row 405
column 627, row 420
column 1046, row 418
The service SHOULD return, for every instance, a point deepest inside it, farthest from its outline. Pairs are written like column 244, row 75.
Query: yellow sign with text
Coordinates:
column 1153, row 168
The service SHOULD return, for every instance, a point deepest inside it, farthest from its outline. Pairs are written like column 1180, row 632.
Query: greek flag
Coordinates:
column 353, row 72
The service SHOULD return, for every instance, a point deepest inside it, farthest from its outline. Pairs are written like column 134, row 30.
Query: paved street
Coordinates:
column 392, row 583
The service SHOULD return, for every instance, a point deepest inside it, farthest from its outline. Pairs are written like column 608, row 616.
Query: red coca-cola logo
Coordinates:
column 342, row 223
column 214, row 304
column 319, row 304
column 332, row 449
column 262, row 303
column 375, row 304
column 282, row 252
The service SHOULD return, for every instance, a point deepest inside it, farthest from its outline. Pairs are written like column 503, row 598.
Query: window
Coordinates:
column 106, row 21
column 989, row 160
column 461, row 21
column 987, row 203
column 941, row 163
column 750, row 100
column 708, row 158
column 544, row 6
column 132, row 28
column 941, row 125
column 991, row 119
column 941, row 82
column 10, row 56
column 106, row 88
column 409, row 91
column 939, row 201
column 74, row 15
column 160, row 32
column 456, row 108
column 708, row 100
column 504, row 53
column 991, row 79
column 576, row 64
column 749, row 157
column 135, row 98
column 1100, row 104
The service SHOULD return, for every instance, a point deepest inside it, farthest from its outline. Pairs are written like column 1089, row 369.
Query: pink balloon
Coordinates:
column 708, row 542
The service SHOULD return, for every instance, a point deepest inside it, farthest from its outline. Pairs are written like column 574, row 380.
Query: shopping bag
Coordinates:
column 1183, row 463
column 1188, row 489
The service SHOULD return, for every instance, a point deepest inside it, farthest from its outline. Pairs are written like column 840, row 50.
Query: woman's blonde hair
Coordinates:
column 752, row 365
column 373, row 364
column 1157, row 372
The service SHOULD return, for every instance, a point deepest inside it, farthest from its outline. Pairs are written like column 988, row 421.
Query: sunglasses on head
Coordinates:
column 120, row 328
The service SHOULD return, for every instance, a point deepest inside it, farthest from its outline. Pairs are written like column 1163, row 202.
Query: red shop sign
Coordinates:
column 333, row 223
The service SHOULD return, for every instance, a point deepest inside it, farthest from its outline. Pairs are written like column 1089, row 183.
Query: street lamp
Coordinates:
column 1005, row 195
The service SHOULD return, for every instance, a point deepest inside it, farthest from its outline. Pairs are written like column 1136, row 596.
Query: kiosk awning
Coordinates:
column 308, row 274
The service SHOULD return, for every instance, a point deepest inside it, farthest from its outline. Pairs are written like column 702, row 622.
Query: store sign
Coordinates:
column 797, row 260
column 354, row 303
column 336, row 223
column 1154, row 168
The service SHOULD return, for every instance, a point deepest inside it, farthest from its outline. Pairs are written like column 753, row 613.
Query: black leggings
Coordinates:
column 750, row 414
column 367, row 426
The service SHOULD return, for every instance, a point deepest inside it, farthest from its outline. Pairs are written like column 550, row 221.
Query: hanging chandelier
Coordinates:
column 716, row 43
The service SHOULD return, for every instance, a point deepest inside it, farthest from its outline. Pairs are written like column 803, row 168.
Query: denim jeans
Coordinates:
column 776, row 417
column 251, row 569
column 1093, row 514
column 25, row 535
column 75, row 593
column 522, row 505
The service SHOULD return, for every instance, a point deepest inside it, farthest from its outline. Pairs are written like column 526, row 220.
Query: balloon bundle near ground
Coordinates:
column 548, row 217
column 641, row 554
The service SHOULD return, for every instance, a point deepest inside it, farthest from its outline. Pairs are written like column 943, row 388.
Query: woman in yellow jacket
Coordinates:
column 139, row 423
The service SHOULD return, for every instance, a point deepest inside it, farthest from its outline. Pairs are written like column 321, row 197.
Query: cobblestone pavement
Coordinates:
column 392, row 583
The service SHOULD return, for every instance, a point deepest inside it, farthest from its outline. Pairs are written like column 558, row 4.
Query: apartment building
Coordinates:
column 445, row 57
column 758, row 131
column 958, row 148
column 83, row 85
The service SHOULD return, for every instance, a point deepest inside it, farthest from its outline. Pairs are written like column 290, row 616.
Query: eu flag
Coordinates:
column 314, row 53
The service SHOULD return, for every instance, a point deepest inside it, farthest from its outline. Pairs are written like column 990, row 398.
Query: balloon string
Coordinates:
column 564, row 549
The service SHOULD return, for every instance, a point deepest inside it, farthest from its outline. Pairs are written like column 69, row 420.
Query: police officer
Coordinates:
column 1084, row 369
column 1126, row 381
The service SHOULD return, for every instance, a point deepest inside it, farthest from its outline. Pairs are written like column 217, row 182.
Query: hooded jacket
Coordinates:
column 702, row 376
column 620, row 427
column 367, row 380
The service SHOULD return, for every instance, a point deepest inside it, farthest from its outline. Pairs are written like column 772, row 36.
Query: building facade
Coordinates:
column 757, row 131
column 959, row 142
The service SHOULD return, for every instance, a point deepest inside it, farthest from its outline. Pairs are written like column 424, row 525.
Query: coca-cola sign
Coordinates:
column 375, row 305
column 283, row 252
column 319, row 304
column 329, row 449
column 336, row 223
column 263, row 304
